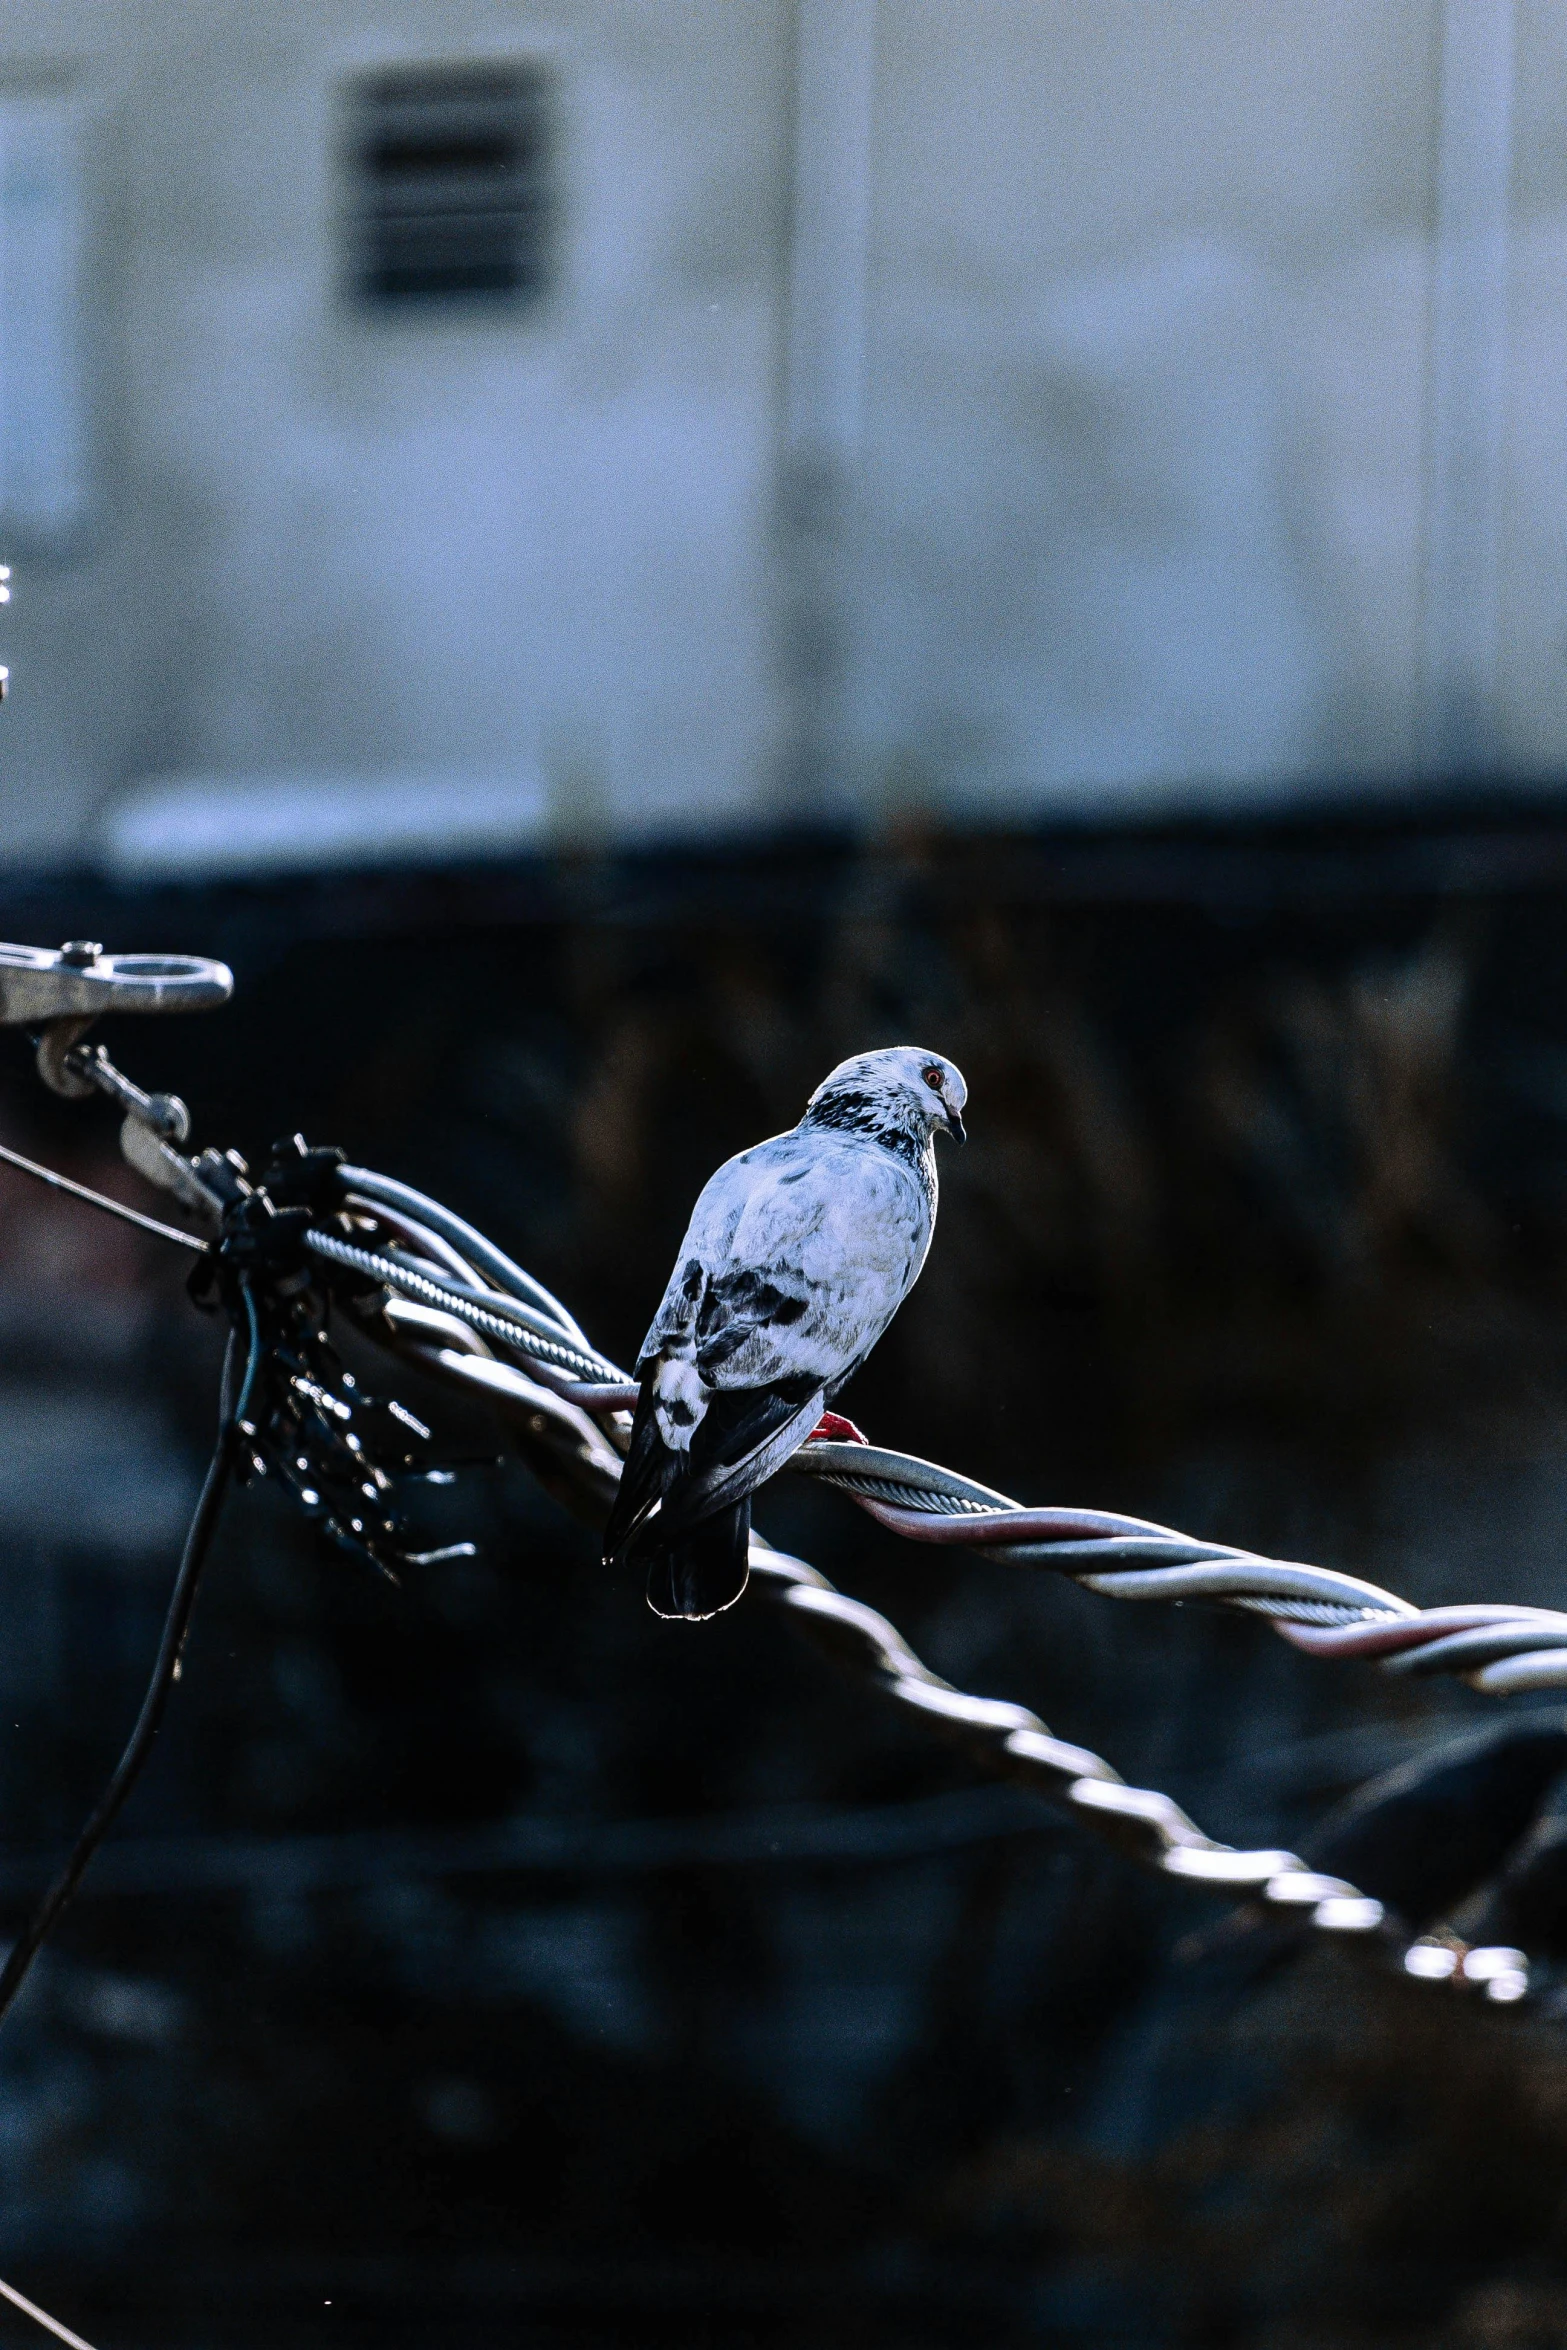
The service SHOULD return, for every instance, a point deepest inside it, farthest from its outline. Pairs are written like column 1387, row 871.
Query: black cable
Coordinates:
column 165, row 1672
column 98, row 1199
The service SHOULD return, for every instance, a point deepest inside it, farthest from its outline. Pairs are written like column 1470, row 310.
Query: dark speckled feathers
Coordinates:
column 798, row 1254
column 854, row 1112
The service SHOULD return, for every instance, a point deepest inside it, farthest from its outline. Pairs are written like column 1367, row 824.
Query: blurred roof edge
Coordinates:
column 1457, row 843
column 230, row 827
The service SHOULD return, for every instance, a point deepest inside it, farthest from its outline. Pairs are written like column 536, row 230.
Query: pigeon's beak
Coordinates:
column 955, row 1125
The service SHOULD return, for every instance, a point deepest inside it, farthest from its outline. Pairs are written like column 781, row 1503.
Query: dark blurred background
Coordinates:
column 605, row 556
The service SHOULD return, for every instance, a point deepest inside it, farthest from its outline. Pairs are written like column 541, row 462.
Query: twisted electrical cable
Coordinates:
column 566, row 1448
column 571, row 1386
column 472, row 1244
column 1496, row 1648
column 516, row 1325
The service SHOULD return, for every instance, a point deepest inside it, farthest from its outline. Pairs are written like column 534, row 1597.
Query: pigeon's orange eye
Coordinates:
column 933, row 1078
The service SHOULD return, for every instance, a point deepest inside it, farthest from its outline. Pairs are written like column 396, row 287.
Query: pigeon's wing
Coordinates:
column 746, row 1434
column 799, row 1254
column 743, row 1436
column 644, row 1475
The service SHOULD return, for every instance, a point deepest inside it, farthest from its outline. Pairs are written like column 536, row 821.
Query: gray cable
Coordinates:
column 479, row 1251
column 499, row 1317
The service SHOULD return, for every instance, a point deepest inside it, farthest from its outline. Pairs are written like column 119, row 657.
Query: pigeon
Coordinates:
column 798, row 1254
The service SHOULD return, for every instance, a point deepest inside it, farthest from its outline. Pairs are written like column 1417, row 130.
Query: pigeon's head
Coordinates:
column 903, row 1088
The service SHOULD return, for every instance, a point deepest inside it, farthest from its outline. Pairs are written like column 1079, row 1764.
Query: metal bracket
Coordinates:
column 154, row 1124
column 162, row 1164
column 61, row 991
column 80, row 982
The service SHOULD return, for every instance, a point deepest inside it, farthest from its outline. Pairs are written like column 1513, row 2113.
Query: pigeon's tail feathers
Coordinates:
column 686, row 1516
column 745, row 1434
column 644, row 1479
column 705, row 1570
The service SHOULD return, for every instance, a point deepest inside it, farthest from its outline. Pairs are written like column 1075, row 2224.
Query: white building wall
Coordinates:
column 1143, row 508
column 1136, row 507
column 528, row 544
column 1533, row 594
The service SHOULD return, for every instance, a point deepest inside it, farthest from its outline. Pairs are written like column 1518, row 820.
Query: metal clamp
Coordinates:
column 155, row 1124
column 163, row 1114
column 80, row 982
column 63, row 990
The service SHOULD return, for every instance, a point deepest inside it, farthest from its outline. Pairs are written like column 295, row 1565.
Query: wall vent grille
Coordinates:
column 451, row 171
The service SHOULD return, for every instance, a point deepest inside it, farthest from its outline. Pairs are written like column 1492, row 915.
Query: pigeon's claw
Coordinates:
column 833, row 1428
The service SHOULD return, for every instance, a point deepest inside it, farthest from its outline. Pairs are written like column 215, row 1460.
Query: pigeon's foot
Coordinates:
column 833, row 1428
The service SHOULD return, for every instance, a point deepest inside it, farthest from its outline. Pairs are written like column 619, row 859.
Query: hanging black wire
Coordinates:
column 165, row 1671
column 101, row 1201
